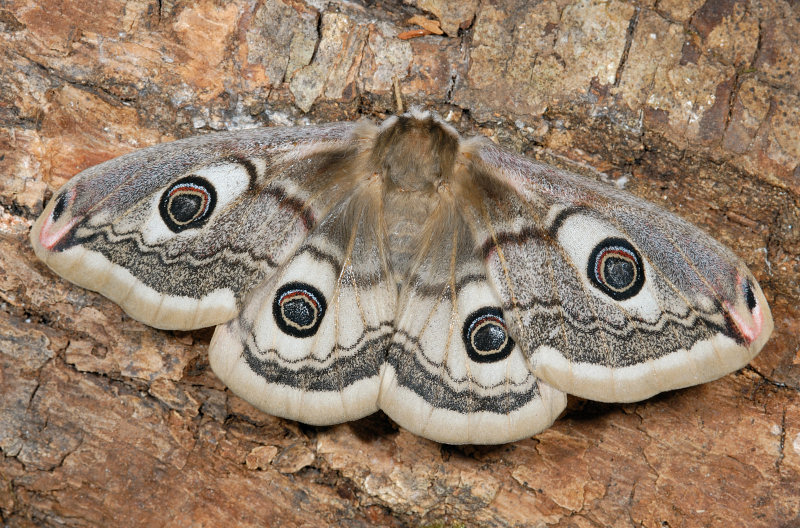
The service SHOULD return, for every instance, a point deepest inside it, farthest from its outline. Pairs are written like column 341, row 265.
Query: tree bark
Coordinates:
column 694, row 105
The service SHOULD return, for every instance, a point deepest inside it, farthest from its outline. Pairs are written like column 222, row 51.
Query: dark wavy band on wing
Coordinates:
column 589, row 343
column 184, row 275
column 343, row 367
column 437, row 390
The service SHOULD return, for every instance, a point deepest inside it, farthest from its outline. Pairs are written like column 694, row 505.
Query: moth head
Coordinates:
column 415, row 151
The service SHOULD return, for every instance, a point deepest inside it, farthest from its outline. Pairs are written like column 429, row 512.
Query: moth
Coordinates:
column 351, row 267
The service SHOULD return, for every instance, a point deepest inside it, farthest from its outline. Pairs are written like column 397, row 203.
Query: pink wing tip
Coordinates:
column 749, row 327
column 51, row 232
column 49, row 236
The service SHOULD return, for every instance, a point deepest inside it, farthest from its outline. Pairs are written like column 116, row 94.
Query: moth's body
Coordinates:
column 405, row 215
column 416, row 162
column 353, row 267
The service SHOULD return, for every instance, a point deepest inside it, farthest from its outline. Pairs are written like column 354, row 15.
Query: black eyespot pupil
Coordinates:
column 185, row 206
column 489, row 337
column 616, row 268
column 298, row 309
column 59, row 208
column 485, row 336
column 187, row 203
column 619, row 273
column 749, row 296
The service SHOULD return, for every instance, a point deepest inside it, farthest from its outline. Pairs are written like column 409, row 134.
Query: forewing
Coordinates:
column 179, row 233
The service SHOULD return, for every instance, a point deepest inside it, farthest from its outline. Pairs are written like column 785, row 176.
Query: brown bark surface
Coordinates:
column 693, row 104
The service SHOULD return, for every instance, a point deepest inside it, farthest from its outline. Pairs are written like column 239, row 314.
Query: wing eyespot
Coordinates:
column 187, row 203
column 298, row 309
column 616, row 268
column 486, row 336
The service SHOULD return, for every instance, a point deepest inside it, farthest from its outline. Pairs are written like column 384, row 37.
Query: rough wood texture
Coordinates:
column 693, row 104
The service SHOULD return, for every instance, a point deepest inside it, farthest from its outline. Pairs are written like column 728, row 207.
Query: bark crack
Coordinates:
column 628, row 42
column 766, row 379
column 782, row 441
